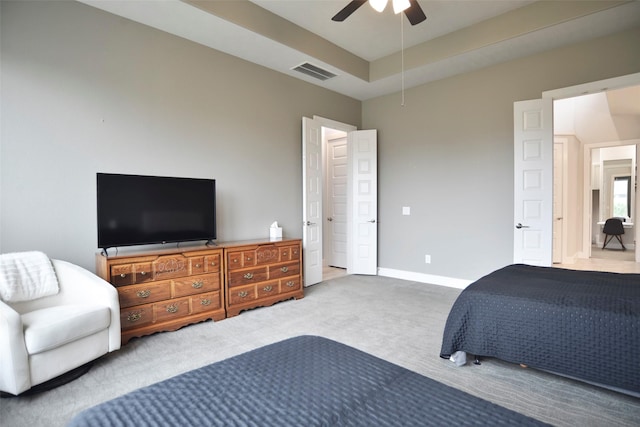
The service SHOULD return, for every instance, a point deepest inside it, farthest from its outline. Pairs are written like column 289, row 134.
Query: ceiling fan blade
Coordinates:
column 414, row 13
column 348, row 10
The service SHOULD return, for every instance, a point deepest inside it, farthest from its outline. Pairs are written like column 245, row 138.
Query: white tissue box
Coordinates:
column 275, row 233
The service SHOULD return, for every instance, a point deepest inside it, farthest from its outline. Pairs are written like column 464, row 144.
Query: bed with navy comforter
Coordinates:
column 580, row 324
column 302, row 381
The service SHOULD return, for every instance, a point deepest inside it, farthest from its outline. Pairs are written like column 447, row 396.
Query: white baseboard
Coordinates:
column 425, row 278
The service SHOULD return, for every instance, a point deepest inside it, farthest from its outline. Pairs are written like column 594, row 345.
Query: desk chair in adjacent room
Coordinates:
column 613, row 228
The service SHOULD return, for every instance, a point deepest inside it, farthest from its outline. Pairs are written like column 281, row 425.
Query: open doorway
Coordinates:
column 334, row 239
column 361, row 198
column 598, row 133
column 613, row 195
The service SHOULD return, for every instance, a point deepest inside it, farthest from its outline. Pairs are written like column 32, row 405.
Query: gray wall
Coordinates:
column 448, row 154
column 84, row 91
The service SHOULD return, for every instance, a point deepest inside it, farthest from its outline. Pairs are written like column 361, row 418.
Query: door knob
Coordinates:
column 310, row 223
column 519, row 226
column 329, row 219
column 372, row 221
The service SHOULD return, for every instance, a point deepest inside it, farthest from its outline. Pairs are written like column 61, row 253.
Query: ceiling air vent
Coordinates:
column 314, row 71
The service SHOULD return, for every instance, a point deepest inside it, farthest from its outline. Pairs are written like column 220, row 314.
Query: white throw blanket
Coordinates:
column 26, row 276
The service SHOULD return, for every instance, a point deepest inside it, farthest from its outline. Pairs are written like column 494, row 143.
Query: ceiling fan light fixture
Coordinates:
column 379, row 5
column 400, row 6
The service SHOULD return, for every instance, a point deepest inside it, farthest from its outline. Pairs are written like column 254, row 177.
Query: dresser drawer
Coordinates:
column 145, row 293
column 295, row 252
column 170, row 266
column 290, row 284
column 122, row 275
column 245, row 277
column 212, row 263
column 135, row 317
column 171, row 309
column 205, row 302
column 241, row 295
column 267, row 254
column 196, row 265
column 268, row 289
column 283, row 270
column 195, row 285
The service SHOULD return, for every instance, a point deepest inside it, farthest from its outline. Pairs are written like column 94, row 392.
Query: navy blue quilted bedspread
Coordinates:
column 303, row 381
column 582, row 324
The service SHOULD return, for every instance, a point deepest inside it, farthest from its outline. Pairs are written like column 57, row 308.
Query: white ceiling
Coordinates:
column 600, row 117
column 376, row 38
column 372, row 35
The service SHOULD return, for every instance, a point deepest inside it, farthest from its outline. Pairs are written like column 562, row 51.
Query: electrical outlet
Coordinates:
column 427, row 259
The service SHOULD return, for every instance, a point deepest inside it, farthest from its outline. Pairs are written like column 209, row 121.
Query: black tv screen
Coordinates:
column 139, row 210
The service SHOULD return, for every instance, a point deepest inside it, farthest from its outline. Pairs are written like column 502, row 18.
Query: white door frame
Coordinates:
column 328, row 123
column 559, row 217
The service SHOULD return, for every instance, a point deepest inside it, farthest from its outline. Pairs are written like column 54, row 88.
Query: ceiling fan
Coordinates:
column 411, row 8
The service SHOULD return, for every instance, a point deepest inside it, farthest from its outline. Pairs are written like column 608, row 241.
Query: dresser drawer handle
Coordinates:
column 248, row 276
column 291, row 284
column 205, row 302
column 172, row 308
column 123, row 275
column 235, row 260
column 284, row 269
column 284, row 253
column 134, row 317
column 268, row 288
column 197, row 265
column 144, row 294
column 197, row 285
column 243, row 294
column 248, row 258
column 143, row 273
column 213, row 263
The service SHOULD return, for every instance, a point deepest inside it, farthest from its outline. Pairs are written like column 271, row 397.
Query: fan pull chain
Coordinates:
column 402, row 55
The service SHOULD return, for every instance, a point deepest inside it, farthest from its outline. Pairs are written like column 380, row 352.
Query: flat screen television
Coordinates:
column 140, row 210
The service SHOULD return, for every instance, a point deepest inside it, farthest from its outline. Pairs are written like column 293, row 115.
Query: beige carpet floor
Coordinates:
column 397, row 320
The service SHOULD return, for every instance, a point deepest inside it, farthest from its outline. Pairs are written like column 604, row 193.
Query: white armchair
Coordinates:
column 44, row 338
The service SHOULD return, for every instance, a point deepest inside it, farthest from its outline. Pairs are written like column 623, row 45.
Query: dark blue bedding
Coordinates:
column 302, row 381
column 581, row 324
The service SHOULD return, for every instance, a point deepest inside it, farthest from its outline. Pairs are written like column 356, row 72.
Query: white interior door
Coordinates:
column 362, row 208
column 336, row 253
column 312, row 200
column 533, row 182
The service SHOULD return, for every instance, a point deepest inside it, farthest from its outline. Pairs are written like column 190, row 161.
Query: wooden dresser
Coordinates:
column 165, row 290
column 262, row 273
